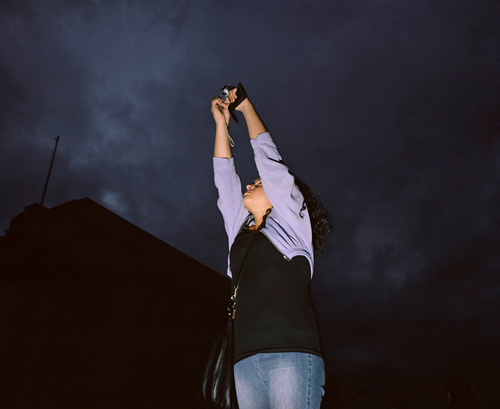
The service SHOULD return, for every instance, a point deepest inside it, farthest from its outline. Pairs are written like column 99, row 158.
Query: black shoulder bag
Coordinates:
column 218, row 381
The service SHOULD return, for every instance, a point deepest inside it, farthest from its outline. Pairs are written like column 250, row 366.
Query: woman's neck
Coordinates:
column 260, row 217
column 258, row 221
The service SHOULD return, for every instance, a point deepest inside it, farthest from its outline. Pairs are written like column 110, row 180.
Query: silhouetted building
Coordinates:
column 97, row 313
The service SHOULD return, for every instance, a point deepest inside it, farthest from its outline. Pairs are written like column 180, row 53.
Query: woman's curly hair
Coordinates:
column 318, row 215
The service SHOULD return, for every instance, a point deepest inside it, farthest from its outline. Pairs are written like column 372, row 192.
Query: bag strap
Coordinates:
column 232, row 307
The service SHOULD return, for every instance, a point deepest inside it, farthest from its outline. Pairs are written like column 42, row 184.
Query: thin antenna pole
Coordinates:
column 50, row 170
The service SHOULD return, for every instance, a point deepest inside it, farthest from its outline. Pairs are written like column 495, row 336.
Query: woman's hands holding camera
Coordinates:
column 220, row 109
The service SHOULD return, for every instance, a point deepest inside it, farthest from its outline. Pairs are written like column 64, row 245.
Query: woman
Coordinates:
column 278, row 357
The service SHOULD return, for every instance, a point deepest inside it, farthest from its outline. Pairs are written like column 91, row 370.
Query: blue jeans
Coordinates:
column 283, row 380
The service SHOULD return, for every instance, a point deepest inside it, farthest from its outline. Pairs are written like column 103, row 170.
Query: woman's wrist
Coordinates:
column 245, row 105
column 220, row 123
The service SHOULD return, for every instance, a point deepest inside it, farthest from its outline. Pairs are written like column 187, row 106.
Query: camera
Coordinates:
column 225, row 92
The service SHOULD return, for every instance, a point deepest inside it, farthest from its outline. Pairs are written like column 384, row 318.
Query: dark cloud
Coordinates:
column 389, row 110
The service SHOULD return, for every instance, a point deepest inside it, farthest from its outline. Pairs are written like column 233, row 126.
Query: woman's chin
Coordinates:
column 246, row 202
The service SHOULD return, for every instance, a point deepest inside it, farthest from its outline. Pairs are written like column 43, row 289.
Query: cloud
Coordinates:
column 388, row 110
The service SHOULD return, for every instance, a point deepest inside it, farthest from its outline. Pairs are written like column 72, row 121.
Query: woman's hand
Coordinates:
column 231, row 97
column 220, row 111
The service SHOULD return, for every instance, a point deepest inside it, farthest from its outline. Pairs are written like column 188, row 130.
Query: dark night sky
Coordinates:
column 390, row 110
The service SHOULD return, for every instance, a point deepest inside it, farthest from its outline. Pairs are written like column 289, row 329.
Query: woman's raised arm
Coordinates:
column 220, row 111
column 255, row 124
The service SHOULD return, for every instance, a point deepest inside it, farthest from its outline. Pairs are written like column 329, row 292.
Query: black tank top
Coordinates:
column 274, row 308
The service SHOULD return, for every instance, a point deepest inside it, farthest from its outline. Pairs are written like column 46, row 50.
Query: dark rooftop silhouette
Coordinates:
column 97, row 313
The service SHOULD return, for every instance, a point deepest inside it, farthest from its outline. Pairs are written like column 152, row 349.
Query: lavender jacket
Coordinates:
column 284, row 227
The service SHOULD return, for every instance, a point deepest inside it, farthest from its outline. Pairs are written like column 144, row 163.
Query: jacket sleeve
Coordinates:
column 230, row 200
column 279, row 185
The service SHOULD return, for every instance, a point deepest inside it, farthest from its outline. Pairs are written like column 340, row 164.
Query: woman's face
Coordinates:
column 255, row 198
